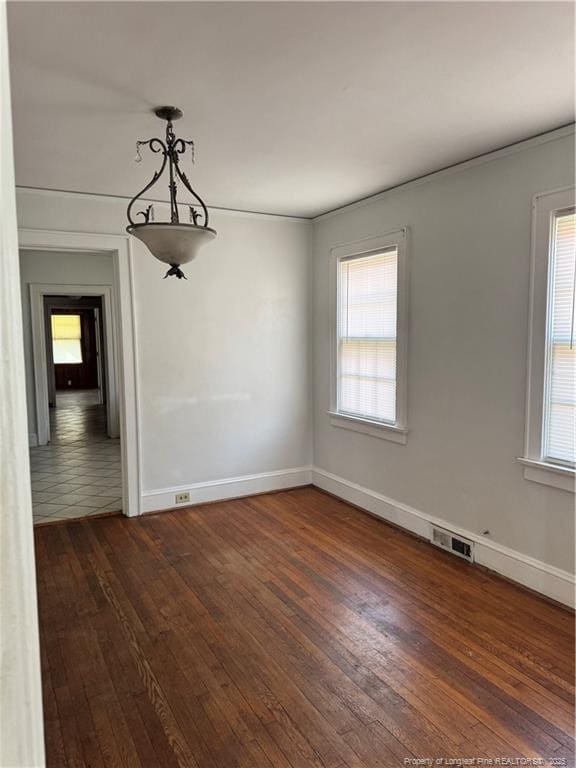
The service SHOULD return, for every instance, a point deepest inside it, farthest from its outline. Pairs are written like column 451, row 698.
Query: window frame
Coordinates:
column 537, row 467
column 396, row 431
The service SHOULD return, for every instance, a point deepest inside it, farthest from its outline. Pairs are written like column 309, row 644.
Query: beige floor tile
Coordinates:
column 95, row 501
column 69, row 499
column 63, row 488
column 41, row 496
column 46, row 509
column 114, row 506
column 69, row 513
column 42, row 485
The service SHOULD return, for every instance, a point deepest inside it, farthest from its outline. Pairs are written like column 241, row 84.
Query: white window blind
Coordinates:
column 66, row 339
column 560, row 393
column 367, row 311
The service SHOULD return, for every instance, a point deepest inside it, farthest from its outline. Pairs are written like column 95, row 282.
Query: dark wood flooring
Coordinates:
column 289, row 630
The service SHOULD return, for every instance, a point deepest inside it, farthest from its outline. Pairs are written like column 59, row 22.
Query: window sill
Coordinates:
column 554, row 475
column 368, row 427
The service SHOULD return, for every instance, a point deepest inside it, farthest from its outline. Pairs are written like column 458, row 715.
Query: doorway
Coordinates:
column 78, row 471
column 83, row 425
column 76, row 467
column 47, row 297
column 76, row 338
column 76, row 335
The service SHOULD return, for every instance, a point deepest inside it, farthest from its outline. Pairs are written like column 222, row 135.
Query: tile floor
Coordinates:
column 79, row 473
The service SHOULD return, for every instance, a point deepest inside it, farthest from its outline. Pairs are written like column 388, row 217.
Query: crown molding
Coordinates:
column 21, row 189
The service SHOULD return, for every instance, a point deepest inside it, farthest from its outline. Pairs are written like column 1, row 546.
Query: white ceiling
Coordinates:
column 296, row 108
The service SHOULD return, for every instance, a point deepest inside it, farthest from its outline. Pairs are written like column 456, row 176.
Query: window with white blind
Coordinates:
column 560, row 400
column 66, row 339
column 370, row 336
column 367, row 287
column 550, row 452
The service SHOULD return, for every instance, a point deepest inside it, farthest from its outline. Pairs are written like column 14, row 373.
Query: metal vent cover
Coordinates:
column 451, row 543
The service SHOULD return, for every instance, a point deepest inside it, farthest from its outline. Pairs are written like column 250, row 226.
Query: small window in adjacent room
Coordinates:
column 370, row 337
column 66, row 339
column 550, row 453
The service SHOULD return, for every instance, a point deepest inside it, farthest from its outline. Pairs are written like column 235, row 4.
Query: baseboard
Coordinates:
column 32, row 440
column 553, row 582
column 228, row 488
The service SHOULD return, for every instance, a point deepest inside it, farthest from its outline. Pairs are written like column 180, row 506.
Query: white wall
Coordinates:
column 224, row 374
column 60, row 269
column 223, row 357
column 469, row 284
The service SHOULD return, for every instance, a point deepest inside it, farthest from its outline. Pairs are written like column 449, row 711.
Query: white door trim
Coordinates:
column 38, row 322
column 120, row 342
column 21, row 727
column 99, row 353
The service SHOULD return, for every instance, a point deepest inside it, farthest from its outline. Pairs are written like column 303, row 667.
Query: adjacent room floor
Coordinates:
column 79, row 473
column 290, row 630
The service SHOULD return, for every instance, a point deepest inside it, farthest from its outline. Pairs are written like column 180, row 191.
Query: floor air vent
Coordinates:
column 455, row 544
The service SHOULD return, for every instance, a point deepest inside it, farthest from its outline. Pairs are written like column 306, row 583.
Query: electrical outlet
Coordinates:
column 180, row 498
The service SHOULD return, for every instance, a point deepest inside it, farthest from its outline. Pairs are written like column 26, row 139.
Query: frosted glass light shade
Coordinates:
column 173, row 244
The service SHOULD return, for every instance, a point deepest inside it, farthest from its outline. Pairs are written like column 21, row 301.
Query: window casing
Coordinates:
column 369, row 328
column 551, row 387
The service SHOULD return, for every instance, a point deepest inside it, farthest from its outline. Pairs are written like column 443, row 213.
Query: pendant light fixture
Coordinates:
column 173, row 242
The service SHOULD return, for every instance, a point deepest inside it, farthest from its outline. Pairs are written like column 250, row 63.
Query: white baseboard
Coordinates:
column 32, row 440
column 541, row 577
column 229, row 488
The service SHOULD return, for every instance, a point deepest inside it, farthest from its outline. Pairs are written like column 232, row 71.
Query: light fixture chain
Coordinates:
column 172, row 160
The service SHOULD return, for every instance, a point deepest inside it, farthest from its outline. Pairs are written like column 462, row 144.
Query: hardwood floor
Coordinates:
column 289, row 630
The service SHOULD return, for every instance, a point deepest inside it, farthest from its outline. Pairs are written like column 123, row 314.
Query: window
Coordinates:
column 370, row 336
column 560, row 404
column 550, row 452
column 66, row 339
column 367, row 336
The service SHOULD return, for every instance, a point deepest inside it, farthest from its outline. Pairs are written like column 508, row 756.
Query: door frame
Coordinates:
column 99, row 352
column 119, row 309
column 67, row 305
column 38, row 322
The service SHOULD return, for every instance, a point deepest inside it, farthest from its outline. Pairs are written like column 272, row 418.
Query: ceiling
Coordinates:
column 296, row 108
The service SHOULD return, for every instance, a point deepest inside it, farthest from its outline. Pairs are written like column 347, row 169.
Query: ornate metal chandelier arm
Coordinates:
column 156, row 145
column 183, row 178
column 180, row 147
